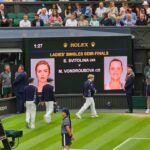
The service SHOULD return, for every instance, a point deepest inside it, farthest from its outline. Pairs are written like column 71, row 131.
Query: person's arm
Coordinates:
column 39, row 12
column 92, row 87
column 50, row 12
column 68, row 129
column 18, row 79
column 87, row 11
column 129, row 83
column 59, row 9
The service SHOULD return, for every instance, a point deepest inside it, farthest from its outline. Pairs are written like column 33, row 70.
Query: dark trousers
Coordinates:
column 20, row 102
column 130, row 103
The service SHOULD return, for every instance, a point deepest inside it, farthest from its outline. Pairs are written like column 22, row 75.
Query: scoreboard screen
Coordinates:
column 68, row 60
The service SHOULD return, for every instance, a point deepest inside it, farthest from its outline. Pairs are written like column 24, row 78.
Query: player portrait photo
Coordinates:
column 41, row 70
column 115, row 69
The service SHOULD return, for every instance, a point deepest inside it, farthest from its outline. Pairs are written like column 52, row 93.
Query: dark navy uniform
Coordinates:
column 67, row 136
column 66, row 139
column 31, row 93
column 48, row 98
column 88, row 92
column 18, row 86
column 48, row 93
column 88, row 89
column 129, row 87
column 31, row 98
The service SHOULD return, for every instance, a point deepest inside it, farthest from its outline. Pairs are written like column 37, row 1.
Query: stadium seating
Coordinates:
column 31, row 14
column 16, row 22
column 12, row 15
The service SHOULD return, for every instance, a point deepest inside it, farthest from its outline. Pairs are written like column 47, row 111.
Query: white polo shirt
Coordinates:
column 71, row 23
column 25, row 23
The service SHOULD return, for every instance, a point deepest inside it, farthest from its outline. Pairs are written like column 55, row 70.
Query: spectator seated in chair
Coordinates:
column 25, row 22
column 54, row 7
column 68, row 11
column 118, row 22
column 94, row 22
column 71, row 21
column 89, row 10
column 128, row 22
column 100, row 10
column 44, row 16
column 106, row 21
column 141, row 21
column 112, row 10
column 37, row 22
column 83, row 22
column 132, row 15
column 55, row 19
column 79, row 10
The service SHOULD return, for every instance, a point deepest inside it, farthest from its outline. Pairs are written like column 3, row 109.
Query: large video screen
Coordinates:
column 69, row 60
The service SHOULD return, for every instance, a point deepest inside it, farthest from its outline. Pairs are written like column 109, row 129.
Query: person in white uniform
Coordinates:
column 88, row 93
column 31, row 98
column 49, row 99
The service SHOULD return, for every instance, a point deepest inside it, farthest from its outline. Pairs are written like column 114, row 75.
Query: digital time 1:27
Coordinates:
column 39, row 45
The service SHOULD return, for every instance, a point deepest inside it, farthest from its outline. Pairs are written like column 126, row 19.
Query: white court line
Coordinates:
column 140, row 138
column 124, row 142
column 127, row 140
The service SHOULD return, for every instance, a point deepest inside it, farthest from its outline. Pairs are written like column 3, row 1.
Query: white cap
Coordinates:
column 145, row 3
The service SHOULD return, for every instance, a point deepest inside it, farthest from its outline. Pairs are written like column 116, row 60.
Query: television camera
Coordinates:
column 8, row 137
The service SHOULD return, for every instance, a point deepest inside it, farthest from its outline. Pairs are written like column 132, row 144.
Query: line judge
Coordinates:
column 88, row 93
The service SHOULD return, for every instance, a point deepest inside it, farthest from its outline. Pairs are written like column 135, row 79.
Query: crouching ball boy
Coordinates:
column 66, row 129
column 31, row 98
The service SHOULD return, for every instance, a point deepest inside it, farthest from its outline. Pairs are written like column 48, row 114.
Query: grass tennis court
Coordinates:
column 104, row 133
